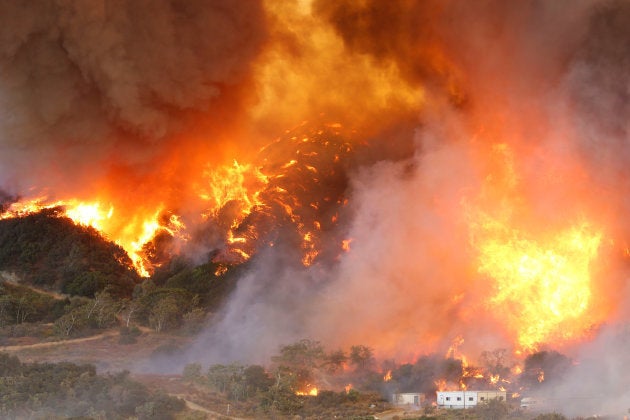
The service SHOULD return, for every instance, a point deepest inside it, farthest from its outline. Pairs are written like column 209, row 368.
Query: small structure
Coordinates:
column 467, row 399
column 415, row 399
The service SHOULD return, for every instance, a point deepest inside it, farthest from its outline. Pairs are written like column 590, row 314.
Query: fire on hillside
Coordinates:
column 423, row 192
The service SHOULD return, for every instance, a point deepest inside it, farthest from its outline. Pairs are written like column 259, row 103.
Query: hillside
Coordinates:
column 53, row 253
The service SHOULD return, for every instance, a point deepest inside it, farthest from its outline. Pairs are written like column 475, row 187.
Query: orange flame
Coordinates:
column 310, row 391
column 543, row 277
column 131, row 237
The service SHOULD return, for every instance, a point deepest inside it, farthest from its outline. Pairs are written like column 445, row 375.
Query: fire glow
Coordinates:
column 444, row 186
column 542, row 279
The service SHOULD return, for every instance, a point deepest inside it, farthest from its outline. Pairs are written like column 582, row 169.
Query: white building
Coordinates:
column 467, row 399
column 408, row 398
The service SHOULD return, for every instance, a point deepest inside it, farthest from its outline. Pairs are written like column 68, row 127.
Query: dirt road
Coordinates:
column 59, row 343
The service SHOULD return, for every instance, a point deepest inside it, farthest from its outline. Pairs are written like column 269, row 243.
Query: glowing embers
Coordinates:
column 239, row 184
column 287, row 198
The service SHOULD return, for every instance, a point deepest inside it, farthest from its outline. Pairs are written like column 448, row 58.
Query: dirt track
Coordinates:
column 58, row 343
column 11, row 278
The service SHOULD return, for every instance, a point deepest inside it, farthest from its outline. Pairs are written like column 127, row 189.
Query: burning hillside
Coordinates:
column 497, row 215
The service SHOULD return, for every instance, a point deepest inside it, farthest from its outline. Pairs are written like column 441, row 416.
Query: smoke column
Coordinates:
column 114, row 94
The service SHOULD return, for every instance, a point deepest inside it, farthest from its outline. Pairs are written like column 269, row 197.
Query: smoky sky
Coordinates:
column 88, row 83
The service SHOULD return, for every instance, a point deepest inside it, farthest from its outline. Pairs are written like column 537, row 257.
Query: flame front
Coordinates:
column 541, row 287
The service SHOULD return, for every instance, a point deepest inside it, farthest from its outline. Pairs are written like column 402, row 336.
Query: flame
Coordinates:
column 229, row 195
column 89, row 214
column 310, row 391
column 388, row 376
column 541, row 376
column 380, row 84
column 542, row 278
column 348, row 388
column 440, row 384
column 132, row 236
column 452, row 351
column 239, row 183
column 546, row 281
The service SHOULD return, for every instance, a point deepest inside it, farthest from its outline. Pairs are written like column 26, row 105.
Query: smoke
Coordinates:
column 92, row 89
column 6, row 200
column 548, row 80
column 518, row 112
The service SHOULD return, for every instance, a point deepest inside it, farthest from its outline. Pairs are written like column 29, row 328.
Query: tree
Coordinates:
column 305, row 353
column 362, row 357
column 192, row 372
column 297, row 363
column 70, row 322
column 544, row 366
column 232, row 380
column 102, row 311
column 493, row 362
column 164, row 314
column 23, row 309
column 257, row 379
column 335, row 360
column 129, row 309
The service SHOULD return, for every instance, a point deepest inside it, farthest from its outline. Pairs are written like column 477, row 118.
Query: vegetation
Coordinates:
column 51, row 252
column 67, row 281
column 49, row 255
column 19, row 304
column 44, row 390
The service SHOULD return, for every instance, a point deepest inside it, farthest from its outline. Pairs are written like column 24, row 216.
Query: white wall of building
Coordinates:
column 467, row 399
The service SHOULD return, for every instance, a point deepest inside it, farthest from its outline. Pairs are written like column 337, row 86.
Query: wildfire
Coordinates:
column 440, row 384
column 131, row 237
column 542, row 279
column 244, row 200
column 453, row 349
column 237, row 183
column 546, row 282
column 388, row 376
column 89, row 214
column 310, row 391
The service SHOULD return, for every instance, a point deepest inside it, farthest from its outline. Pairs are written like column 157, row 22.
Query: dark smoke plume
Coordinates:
column 90, row 85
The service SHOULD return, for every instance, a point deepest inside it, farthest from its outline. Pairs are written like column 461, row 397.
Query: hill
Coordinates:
column 50, row 251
